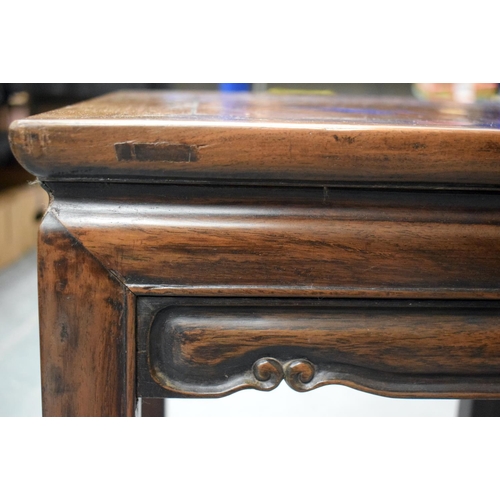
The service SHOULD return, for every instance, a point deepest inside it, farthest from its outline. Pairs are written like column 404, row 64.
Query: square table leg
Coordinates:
column 87, row 337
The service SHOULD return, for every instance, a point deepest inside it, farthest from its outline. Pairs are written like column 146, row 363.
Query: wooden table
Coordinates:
column 197, row 244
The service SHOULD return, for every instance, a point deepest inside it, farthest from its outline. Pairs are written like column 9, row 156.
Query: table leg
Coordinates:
column 87, row 336
column 151, row 407
column 479, row 408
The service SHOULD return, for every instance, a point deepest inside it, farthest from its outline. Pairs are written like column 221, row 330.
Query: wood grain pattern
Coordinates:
column 212, row 347
column 415, row 340
column 175, row 137
column 223, row 206
column 296, row 242
column 87, row 331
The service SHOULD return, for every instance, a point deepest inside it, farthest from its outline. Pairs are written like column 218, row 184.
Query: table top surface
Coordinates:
column 251, row 136
column 261, row 109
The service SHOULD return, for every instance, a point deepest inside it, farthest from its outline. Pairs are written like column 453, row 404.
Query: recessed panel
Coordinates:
column 214, row 347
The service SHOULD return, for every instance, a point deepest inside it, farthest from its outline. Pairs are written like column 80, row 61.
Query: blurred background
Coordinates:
column 22, row 205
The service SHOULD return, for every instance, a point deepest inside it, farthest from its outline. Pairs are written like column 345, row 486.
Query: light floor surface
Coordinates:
column 20, row 373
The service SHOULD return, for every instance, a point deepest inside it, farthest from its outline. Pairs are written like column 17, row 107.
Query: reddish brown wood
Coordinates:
column 257, row 198
column 87, row 336
column 401, row 340
column 211, row 347
column 289, row 242
column 260, row 139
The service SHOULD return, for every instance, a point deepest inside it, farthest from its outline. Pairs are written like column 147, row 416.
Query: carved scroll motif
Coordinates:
column 298, row 374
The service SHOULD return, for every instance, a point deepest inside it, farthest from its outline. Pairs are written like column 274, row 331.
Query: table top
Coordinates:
column 263, row 138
